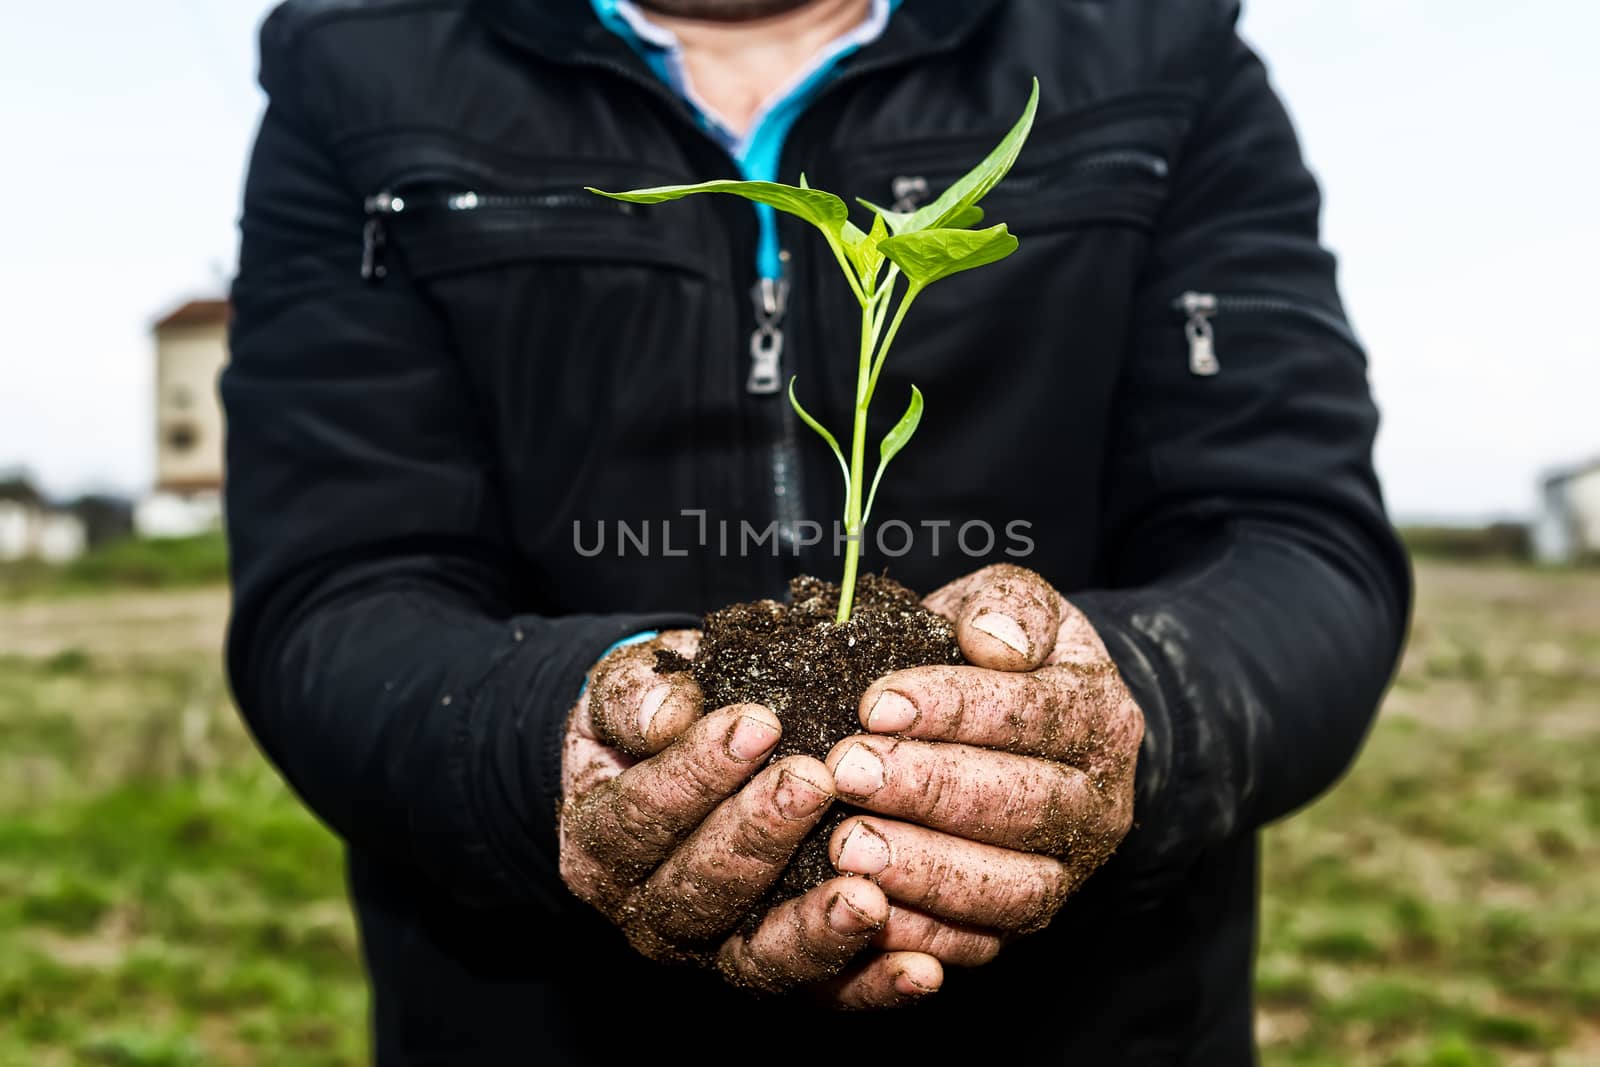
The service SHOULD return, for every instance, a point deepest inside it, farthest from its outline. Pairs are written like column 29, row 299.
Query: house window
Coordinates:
column 182, row 437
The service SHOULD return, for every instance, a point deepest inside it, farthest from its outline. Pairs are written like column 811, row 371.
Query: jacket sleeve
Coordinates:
column 1256, row 596
column 377, row 647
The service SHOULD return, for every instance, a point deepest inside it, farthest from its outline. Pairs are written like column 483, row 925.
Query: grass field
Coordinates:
column 163, row 900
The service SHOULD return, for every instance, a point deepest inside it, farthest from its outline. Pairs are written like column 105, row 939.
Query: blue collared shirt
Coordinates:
column 757, row 152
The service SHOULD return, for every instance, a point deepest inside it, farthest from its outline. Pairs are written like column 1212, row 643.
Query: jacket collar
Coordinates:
column 567, row 31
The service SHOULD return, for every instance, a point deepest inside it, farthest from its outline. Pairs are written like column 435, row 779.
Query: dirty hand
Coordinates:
column 1005, row 783
column 671, row 829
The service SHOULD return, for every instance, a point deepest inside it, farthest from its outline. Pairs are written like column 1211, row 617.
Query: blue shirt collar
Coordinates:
column 661, row 49
column 759, row 151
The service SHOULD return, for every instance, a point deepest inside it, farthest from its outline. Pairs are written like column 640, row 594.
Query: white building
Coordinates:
column 30, row 528
column 1567, row 528
column 191, row 350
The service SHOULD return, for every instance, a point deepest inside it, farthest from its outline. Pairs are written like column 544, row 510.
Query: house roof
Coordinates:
column 1576, row 470
column 18, row 489
column 195, row 313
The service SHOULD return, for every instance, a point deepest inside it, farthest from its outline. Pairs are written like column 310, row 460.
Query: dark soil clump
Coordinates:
column 812, row 672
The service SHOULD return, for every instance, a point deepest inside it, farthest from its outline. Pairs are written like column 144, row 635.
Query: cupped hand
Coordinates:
column 672, row 827
column 997, row 788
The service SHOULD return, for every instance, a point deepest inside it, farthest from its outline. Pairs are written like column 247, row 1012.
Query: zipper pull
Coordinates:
column 909, row 192
column 1202, row 343
column 771, row 299
column 374, row 238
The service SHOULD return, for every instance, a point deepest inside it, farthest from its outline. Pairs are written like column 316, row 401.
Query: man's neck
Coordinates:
column 735, row 66
column 722, row 10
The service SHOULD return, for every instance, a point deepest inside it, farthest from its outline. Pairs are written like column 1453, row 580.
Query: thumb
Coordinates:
column 1006, row 616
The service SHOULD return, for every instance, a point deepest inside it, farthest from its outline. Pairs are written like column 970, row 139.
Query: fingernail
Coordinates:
column 798, row 798
column 750, row 739
column 651, row 705
column 908, row 986
column 865, row 851
column 1005, row 629
column 891, row 712
column 847, row 919
column 860, row 772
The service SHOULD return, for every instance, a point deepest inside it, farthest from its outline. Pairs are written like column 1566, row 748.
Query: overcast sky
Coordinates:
column 1458, row 142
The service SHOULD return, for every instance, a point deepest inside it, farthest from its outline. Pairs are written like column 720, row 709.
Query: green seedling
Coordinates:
column 921, row 246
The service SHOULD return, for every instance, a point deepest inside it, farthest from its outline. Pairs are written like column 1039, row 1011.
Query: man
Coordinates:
column 447, row 359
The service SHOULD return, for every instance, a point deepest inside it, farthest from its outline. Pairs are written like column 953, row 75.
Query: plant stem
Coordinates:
column 870, row 323
column 882, row 297
column 894, row 328
column 849, row 272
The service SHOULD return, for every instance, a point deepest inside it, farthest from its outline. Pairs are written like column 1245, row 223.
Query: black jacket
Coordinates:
column 409, row 453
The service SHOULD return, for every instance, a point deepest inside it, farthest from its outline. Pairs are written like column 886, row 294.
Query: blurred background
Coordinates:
column 163, row 900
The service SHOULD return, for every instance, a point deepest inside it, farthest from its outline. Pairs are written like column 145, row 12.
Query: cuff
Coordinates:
column 509, row 742
column 1160, row 847
column 632, row 639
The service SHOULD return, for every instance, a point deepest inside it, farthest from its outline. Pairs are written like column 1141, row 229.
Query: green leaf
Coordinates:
column 822, row 209
column 893, row 441
column 962, row 218
column 976, row 183
column 928, row 255
column 879, row 230
column 863, row 252
column 901, row 432
column 822, row 431
column 896, row 220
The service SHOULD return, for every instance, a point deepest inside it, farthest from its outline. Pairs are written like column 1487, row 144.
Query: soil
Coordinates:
column 812, row 672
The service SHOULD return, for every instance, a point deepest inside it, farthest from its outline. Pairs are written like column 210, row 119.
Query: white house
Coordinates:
column 1567, row 528
column 31, row 528
column 191, row 350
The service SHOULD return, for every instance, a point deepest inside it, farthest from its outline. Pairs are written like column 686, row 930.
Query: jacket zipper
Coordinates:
column 784, row 493
column 770, row 295
column 1131, row 160
column 1199, row 309
column 390, row 203
column 911, row 191
column 770, row 299
column 767, row 337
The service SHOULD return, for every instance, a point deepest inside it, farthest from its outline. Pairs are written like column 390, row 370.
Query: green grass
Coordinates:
column 132, row 563
column 1441, row 906
column 165, row 901
column 1499, row 542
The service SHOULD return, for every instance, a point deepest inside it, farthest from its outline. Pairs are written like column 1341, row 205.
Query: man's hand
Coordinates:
column 1007, row 783
column 671, row 828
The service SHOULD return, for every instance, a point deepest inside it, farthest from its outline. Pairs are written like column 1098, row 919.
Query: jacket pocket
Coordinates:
column 445, row 223
column 1233, row 391
column 1106, row 164
column 1115, row 187
column 1202, row 312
